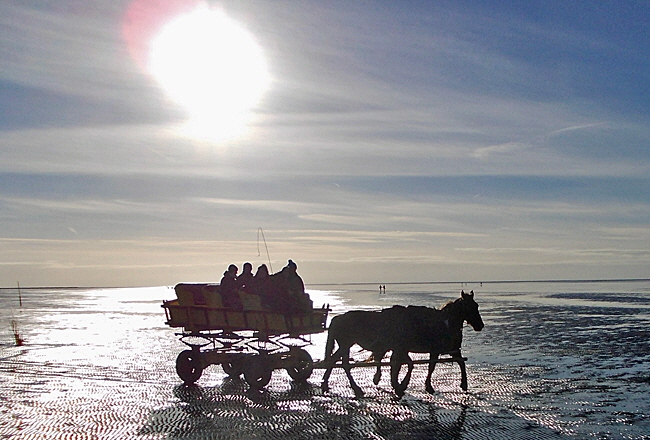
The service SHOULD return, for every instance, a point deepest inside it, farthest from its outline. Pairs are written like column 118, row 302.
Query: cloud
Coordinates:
column 69, row 52
column 637, row 234
column 397, row 139
column 577, row 127
column 510, row 147
column 561, row 255
column 534, row 142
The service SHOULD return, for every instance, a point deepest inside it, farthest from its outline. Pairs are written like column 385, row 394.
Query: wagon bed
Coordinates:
column 199, row 308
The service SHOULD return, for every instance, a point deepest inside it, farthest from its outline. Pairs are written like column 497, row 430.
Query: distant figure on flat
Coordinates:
column 402, row 329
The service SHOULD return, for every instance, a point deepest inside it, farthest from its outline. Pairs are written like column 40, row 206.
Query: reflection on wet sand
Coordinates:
column 563, row 361
column 301, row 412
column 231, row 410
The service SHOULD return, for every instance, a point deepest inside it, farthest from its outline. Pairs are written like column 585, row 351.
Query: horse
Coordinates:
column 402, row 330
column 425, row 330
column 354, row 327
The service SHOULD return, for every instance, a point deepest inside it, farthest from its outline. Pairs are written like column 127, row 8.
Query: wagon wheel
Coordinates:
column 234, row 368
column 188, row 366
column 300, row 365
column 258, row 372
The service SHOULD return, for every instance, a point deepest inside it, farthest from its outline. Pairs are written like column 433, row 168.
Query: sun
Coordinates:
column 211, row 66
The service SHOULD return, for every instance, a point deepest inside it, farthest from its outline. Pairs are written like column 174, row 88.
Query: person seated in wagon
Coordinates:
column 245, row 280
column 228, row 287
column 289, row 290
column 283, row 291
column 263, row 286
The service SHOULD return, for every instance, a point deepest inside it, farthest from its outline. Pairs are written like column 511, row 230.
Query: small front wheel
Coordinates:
column 299, row 365
column 258, row 372
column 188, row 366
column 234, row 368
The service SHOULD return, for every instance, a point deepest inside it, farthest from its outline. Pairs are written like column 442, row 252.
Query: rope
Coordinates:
column 261, row 232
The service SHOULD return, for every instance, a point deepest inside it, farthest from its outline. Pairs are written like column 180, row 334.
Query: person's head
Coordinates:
column 291, row 265
column 262, row 270
column 232, row 269
column 248, row 268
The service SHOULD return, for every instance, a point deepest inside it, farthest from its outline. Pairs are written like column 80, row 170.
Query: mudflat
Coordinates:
column 552, row 362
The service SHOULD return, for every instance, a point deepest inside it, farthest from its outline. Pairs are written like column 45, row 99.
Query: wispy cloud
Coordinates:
column 399, row 141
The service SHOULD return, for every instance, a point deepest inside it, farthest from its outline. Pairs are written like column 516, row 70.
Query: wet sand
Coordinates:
column 100, row 364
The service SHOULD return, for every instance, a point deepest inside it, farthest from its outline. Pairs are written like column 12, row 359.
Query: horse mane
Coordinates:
column 449, row 304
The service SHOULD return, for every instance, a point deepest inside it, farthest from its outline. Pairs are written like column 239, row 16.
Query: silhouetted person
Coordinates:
column 295, row 283
column 229, row 289
column 289, row 289
column 245, row 279
column 263, row 287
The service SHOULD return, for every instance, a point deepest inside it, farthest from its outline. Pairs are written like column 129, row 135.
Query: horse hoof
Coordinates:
column 399, row 391
column 324, row 387
column 358, row 393
column 376, row 379
column 430, row 390
column 463, row 386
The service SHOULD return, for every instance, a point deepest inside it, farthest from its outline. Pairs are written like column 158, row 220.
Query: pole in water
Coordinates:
column 20, row 297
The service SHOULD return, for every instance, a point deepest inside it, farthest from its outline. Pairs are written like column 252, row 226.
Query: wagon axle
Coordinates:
column 255, row 367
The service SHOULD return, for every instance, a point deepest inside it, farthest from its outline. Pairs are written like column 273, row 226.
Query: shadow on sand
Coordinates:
column 301, row 412
column 231, row 411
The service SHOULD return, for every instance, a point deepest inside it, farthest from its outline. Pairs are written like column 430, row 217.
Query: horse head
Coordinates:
column 470, row 310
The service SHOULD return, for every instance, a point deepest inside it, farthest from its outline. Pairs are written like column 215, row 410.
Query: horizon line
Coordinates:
column 597, row 280
column 366, row 283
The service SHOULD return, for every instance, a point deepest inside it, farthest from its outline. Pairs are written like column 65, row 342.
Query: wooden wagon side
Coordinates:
column 199, row 308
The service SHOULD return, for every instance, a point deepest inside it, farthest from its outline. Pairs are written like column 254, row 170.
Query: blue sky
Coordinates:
column 398, row 141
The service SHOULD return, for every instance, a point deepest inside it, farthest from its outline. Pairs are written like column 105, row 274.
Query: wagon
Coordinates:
column 252, row 341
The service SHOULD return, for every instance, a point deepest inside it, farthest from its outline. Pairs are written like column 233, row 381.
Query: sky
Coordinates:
column 389, row 142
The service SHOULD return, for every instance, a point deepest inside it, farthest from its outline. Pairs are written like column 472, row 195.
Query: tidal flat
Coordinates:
column 555, row 360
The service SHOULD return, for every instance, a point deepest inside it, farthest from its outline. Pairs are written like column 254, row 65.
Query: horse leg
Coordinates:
column 407, row 378
column 397, row 359
column 330, row 361
column 324, row 386
column 463, row 371
column 358, row 392
column 432, row 365
column 377, row 356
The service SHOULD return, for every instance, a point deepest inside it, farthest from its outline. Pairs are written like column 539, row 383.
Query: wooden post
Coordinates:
column 20, row 297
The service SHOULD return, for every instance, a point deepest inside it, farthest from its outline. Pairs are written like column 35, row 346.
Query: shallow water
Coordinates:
column 555, row 360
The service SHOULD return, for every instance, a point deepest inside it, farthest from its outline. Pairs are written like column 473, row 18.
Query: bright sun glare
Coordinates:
column 214, row 68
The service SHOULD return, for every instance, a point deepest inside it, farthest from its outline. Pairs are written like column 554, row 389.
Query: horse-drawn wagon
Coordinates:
column 252, row 340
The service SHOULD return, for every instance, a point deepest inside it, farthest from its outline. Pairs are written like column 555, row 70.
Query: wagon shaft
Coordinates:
column 324, row 364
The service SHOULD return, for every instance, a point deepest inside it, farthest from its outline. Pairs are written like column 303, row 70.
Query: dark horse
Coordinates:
column 402, row 330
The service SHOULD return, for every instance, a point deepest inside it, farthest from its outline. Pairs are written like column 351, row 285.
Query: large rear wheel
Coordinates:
column 299, row 365
column 188, row 366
